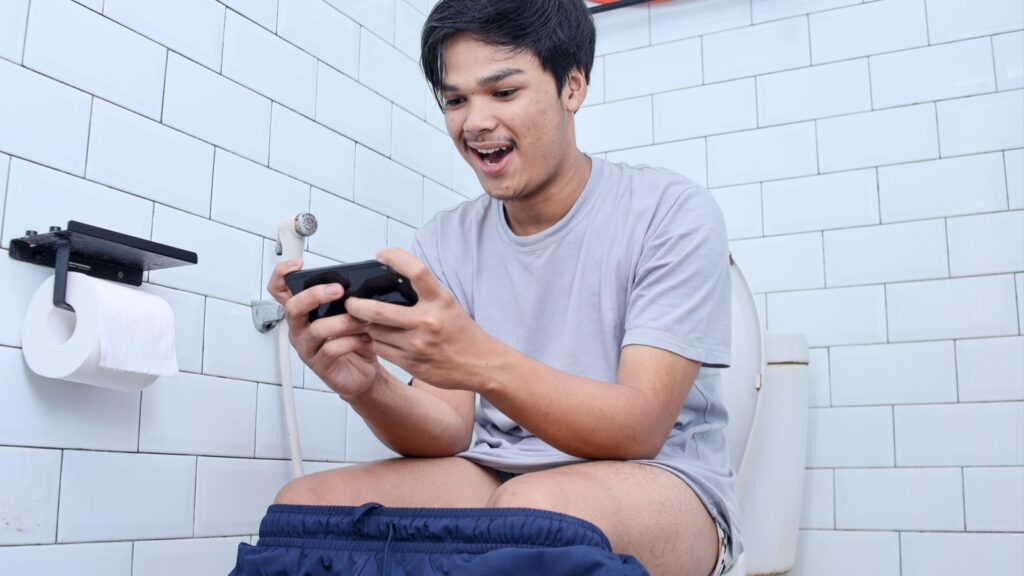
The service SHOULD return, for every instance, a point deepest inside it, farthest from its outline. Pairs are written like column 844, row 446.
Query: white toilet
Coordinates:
column 767, row 394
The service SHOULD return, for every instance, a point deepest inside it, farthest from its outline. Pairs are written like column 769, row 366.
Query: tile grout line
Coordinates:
column 195, row 496
column 224, row 39
column 899, row 551
column 24, row 38
column 88, row 139
column 949, row 260
column 963, row 494
column 1006, row 179
column 995, row 68
column 895, row 454
column 163, row 92
column 60, row 486
column 7, row 190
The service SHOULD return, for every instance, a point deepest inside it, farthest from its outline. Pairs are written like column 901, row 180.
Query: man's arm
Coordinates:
column 419, row 420
column 588, row 418
column 437, row 341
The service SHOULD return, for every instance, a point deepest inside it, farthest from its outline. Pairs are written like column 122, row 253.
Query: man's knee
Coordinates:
column 528, row 492
column 298, row 491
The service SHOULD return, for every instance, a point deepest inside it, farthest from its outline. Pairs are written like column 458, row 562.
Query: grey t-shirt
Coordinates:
column 641, row 258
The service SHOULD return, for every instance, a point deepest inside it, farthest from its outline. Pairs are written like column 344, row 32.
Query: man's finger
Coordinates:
column 298, row 307
column 384, row 313
column 277, row 287
column 390, row 353
column 333, row 349
column 386, row 335
column 337, row 326
column 427, row 287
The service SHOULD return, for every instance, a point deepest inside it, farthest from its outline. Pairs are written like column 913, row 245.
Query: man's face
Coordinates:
column 506, row 117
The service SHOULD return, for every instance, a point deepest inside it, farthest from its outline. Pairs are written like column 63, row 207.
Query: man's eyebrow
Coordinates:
column 485, row 81
column 498, row 76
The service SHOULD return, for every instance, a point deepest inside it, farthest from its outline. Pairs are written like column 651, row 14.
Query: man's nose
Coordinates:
column 480, row 118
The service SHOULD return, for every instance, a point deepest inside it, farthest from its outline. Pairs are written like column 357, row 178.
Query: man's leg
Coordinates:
column 403, row 482
column 645, row 511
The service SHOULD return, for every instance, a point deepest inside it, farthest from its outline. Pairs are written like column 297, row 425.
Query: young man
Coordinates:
column 578, row 298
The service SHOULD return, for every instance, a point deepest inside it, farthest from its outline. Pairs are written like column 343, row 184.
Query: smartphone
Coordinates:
column 369, row 279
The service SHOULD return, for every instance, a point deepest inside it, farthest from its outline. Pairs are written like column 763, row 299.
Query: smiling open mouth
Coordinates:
column 493, row 156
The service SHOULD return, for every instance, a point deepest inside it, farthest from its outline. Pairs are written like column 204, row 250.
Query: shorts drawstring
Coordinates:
column 387, row 546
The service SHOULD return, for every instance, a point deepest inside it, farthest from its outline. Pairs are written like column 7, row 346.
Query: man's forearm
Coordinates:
column 410, row 421
column 577, row 415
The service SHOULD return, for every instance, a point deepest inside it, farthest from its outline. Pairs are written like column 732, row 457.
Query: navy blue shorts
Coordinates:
column 372, row 540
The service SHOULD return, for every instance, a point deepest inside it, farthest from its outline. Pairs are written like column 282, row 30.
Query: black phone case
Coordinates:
column 369, row 279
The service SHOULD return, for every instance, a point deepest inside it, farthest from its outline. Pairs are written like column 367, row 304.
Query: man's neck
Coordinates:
column 540, row 211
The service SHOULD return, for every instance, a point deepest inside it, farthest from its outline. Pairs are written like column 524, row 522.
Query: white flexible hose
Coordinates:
column 291, row 248
column 288, row 399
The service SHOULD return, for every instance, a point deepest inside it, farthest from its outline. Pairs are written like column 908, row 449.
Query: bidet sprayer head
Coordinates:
column 292, row 232
column 305, row 224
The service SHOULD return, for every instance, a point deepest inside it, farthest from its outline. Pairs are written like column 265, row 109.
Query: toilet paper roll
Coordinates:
column 117, row 337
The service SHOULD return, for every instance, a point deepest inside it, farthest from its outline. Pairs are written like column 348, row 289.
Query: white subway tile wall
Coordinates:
column 935, row 553
column 935, row 73
column 132, row 153
column 780, row 263
column 1015, row 178
column 878, row 138
column 688, row 158
column 838, row 200
column 867, row 157
column 685, row 19
column 269, row 65
column 13, row 17
column 819, row 494
column 993, row 499
column 990, row 369
column 888, row 253
column 847, row 553
column 193, row 29
column 1009, row 52
column 963, row 185
column 643, row 71
column 43, row 120
column 900, row 499
column 30, row 491
column 871, row 28
column 850, row 438
column 730, row 107
column 815, row 92
column 968, row 434
column 911, row 373
column 75, row 45
column 111, row 496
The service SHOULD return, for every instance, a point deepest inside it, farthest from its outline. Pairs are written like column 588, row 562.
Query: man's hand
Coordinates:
column 431, row 340
column 337, row 348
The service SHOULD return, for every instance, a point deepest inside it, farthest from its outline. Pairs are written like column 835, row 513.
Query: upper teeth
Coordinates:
column 491, row 150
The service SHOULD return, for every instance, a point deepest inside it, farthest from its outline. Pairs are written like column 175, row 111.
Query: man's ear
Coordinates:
column 574, row 92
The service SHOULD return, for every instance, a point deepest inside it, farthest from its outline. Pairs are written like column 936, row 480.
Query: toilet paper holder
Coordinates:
column 97, row 252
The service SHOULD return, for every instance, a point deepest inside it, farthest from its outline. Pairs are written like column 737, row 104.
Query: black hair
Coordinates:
column 559, row 32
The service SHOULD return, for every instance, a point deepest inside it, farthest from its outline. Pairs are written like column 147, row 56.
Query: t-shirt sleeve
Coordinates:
column 681, row 295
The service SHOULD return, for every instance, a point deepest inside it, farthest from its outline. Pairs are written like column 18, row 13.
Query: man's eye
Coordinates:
column 507, row 93
column 452, row 102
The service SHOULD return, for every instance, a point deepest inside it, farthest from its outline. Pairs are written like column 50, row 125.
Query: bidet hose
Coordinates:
column 291, row 234
column 288, row 398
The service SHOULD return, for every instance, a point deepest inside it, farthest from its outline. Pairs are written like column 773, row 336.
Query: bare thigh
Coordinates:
column 645, row 511
column 403, row 482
